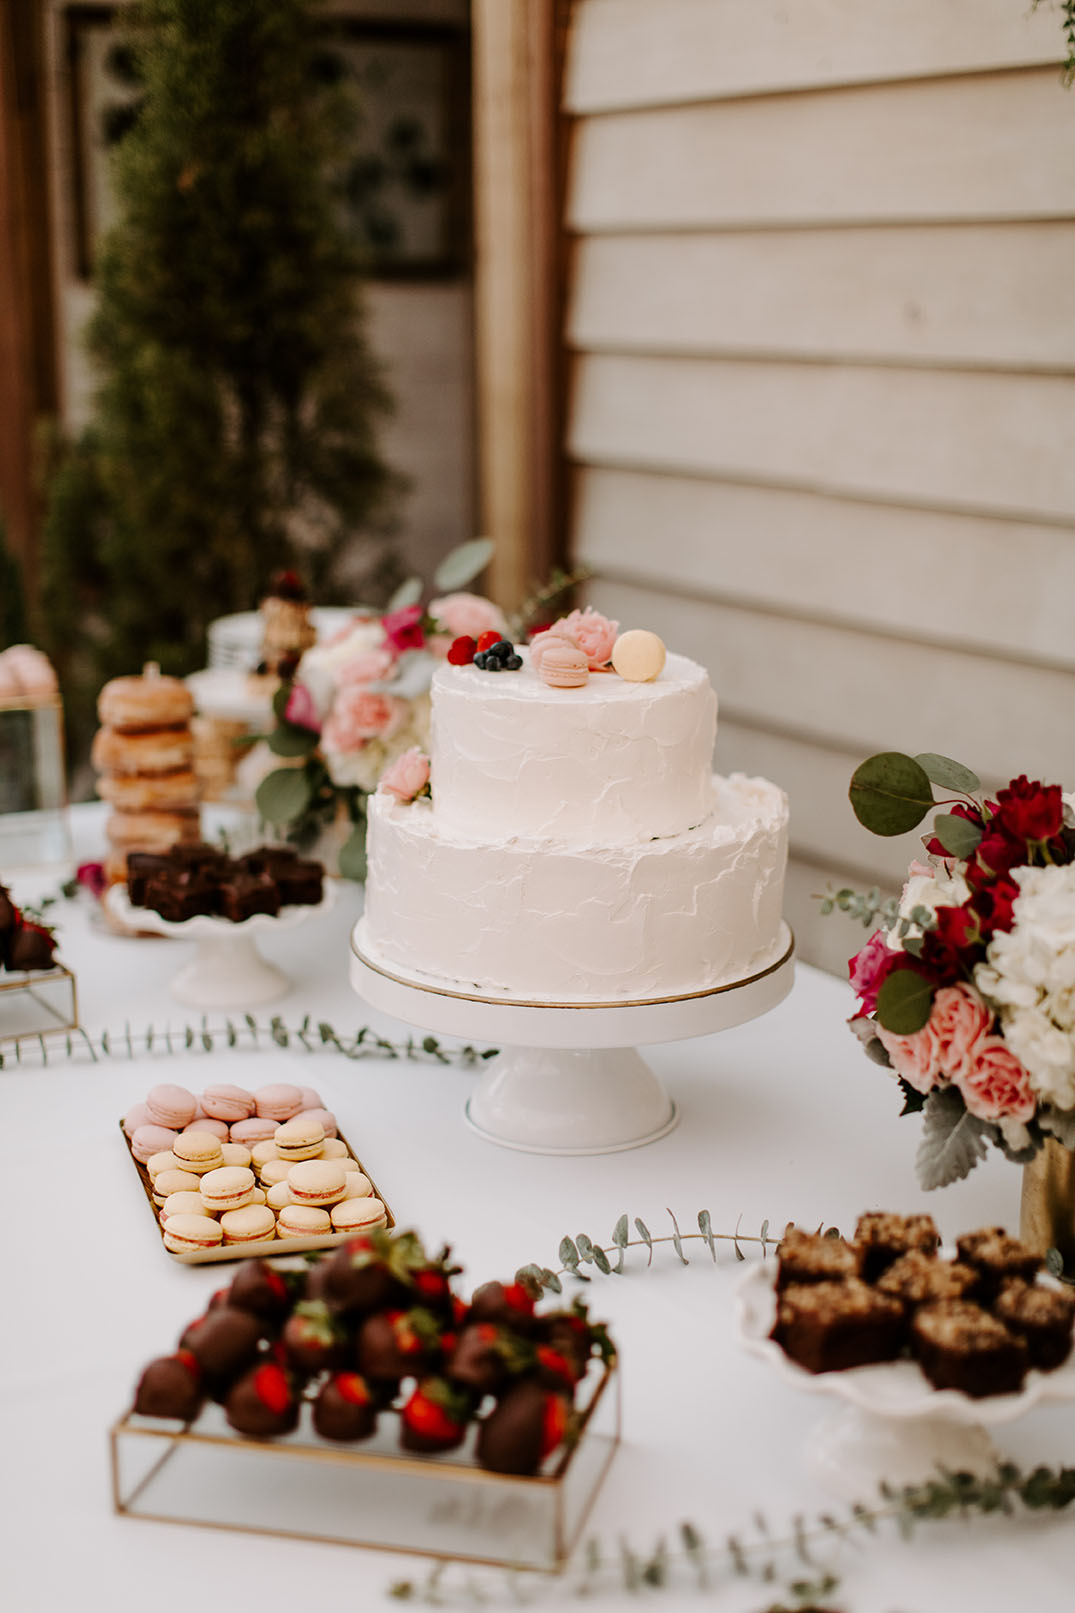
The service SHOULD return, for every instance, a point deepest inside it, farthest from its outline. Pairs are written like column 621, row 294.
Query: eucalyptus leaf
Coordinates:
column 408, row 593
column 620, row 1233
column 952, row 1140
column 353, row 854
column 948, row 774
column 601, row 1260
column 890, row 793
column 959, row 837
column 283, row 796
column 464, row 563
column 569, row 1255
column 292, row 740
column 904, row 1002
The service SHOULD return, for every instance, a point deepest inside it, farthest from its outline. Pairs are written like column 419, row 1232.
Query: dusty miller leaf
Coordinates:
column 952, row 1140
column 1059, row 1123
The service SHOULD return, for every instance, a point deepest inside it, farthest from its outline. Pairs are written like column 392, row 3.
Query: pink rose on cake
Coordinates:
column 594, row 634
column 360, row 714
column 948, row 1044
column 407, row 777
column 463, row 616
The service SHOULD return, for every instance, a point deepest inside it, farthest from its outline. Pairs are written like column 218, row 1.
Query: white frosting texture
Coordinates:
column 609, row 764
column 548, row 919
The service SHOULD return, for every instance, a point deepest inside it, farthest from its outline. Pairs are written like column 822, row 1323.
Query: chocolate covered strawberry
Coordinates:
column 171, row 1387
column 263, row 1402
column 524, row 1427
column 397, row 1344
column 31, row 946
column 509, row 1304
column 312, row 1340
column 371, row 1272
column 486, row 1356
column 435, row 1417
column 224, row 1342
column 258, row 1288
column 346, row 1408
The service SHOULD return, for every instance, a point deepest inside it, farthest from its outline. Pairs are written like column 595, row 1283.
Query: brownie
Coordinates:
column 267, row 859
column 810, row 1257
column 882, row 1237
column 300, row 883
column 917, row 1278
column 198, row 856
column 996, row 1256
column 180, row 899
column 143, row 866
column 242, row 895
column 831, row 1326
column 1041, row 1317
column 960, row 1346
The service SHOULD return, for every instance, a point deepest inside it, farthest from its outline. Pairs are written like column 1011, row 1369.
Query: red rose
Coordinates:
column 993, row 905
column 1030, row 811
column 998, row 851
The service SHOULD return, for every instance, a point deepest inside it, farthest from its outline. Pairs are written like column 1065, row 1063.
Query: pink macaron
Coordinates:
column 171, row 1106
column 311, row 1099
column 278, row 1101
column 216, row 1128
column 150, row 1140
column 222, row 1101
column 137, row 1115
column 254, row 1130
column 324, row 1117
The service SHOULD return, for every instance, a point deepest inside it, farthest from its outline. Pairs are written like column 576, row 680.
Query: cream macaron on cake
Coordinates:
column 576, row 845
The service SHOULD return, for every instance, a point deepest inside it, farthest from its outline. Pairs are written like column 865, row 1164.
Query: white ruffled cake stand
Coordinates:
column 569, row 1079
column 227, row 969
column 890, row 1422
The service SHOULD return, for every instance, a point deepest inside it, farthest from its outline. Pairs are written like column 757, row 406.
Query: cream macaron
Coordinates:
column 302, row 1221
column 278, row 1195
column 228, row 1188
column 299, row 1139
column 234, row 1154
column 358, row 1215
column 164, row 1160
column 198, row 1151
column 273, row 1171
column 183, row 1203
column 255, row 1223
column 262, row 1152
column 168, row 1182
column 334, row 1149
column 190, row 1234
column 318, row 1182
column 358, row 1186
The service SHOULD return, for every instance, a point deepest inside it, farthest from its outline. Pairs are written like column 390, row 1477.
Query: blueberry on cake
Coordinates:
column 1041, row 1317
column 960, row 1346
column 917, row 1278
column 830, row 1326
column 810, row 1257
column 881, row 1238
column 996, row 1256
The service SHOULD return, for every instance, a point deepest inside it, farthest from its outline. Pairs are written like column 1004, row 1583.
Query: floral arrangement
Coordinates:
column 355, row 712
column 967, row 987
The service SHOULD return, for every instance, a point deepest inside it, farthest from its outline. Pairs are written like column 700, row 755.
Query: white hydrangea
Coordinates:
column 930, row 886
column 1029, row 976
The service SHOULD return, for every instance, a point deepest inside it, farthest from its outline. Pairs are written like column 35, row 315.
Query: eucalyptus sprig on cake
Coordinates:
column 967, row 987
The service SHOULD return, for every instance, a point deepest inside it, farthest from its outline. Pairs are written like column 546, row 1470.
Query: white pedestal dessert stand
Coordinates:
column 227, row 969
column 890, row 1423
column 569, row 1080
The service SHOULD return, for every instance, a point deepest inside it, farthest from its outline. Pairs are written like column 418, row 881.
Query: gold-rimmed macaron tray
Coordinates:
column 273, row 1246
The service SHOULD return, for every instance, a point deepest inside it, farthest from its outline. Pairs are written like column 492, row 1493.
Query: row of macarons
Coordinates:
column 230, row 1113
column 310, row 1187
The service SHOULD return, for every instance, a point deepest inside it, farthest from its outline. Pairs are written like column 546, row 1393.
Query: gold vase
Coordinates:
column 1047, row 1212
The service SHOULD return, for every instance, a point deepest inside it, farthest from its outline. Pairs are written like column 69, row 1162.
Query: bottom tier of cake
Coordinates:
column 548, row 921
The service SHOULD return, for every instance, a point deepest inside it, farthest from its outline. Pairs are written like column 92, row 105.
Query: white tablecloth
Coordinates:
column 783, row 1119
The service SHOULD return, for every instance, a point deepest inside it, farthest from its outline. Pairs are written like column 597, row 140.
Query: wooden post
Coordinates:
column 518, row 174
column 27, row 345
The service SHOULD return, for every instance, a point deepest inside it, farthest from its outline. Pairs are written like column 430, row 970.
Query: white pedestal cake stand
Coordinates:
column 569, row 1080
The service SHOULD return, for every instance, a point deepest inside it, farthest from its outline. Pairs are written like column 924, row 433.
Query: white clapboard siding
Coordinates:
column 995, row 295
column 990, row 147
column 855, row 692
column 987, row 442
column 835, row 559
column 657, row 52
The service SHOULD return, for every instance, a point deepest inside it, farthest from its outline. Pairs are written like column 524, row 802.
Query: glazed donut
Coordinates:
column 151, row 831
column 166, row 750
column 145, row 702
column 152, row 792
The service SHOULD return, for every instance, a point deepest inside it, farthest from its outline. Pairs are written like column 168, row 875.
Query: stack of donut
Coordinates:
column 144, row 756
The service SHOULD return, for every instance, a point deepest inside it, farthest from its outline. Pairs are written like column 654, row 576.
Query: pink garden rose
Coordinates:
column 403, row 629
column 300, row 708
column 466, row 616
column 594, row 634
column 359, row 715
column 947, row 1045
column 994, row 1084
column 407, row 777
column 868, row 969
column 367, row 666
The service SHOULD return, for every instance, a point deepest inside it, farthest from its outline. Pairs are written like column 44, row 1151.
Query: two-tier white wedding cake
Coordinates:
column 577, row 847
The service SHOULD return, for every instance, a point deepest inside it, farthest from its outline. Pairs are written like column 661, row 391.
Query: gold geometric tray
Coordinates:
column 268, row 1246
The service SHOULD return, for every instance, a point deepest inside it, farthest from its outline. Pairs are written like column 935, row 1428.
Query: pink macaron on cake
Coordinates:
column 222, row 1101
column 279, row 1101
column 171, row 1106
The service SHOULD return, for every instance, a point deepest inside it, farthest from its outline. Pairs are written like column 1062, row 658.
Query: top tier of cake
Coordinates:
column 607, row 764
